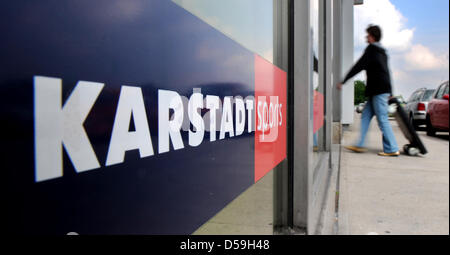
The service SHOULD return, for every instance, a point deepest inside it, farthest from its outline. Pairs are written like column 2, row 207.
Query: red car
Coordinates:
column 437, row 114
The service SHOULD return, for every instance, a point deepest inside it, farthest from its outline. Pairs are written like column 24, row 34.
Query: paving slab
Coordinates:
column 402, row 195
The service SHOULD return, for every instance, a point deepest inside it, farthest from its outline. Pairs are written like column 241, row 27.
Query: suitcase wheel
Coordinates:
column 410, row 150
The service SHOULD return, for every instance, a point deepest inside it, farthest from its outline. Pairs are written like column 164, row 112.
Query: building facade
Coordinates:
column 173, row 117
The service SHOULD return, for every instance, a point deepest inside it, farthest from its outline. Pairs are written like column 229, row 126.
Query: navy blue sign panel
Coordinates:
column 87, row 58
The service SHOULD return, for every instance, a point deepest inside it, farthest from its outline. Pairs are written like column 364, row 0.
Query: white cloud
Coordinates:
column 413, row 64
column 421, row 58
column 383, row 13
column 406, row 82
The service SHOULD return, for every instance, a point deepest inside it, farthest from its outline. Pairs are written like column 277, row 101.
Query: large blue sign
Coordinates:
column 92, row 138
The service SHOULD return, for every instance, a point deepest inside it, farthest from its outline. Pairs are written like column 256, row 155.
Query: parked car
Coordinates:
column 437, row 114
column 416, row 106
column 401, row 100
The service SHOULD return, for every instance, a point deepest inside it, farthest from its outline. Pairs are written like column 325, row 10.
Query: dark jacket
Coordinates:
column 375, row 62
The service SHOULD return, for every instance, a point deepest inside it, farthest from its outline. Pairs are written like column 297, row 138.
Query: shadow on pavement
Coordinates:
column 441, row 135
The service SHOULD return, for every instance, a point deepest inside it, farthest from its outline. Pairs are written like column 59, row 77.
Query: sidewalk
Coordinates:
column 393, row 196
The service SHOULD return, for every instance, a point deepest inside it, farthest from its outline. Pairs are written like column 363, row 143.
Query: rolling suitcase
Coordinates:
column 415, row 145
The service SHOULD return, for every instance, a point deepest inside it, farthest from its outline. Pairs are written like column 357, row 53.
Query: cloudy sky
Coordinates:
column 416, row 35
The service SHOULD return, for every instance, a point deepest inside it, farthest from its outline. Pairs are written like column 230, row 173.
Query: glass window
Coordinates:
column 446, row 90
column 414, row 96
column 440, row 92
column 411, row 98
column 418, row 96
column 427, row 95
column 248, row 22
column 318, row 99
column 317, row 8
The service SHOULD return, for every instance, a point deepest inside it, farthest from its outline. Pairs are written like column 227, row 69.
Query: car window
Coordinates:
column 414, row 96
column 445, row 90
column 419, row 95
column 440, row 92
column 427, row 95
column 436, row 92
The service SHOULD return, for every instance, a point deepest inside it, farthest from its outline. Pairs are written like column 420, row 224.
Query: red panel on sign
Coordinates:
column 270, row 114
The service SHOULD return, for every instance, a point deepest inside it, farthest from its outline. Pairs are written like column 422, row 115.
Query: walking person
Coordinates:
column 378, row 90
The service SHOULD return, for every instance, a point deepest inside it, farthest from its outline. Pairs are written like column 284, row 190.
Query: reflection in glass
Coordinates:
column 248, row 22
column 317, row 108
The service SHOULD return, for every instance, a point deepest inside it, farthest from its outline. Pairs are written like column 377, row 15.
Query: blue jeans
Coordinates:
column 378, row 105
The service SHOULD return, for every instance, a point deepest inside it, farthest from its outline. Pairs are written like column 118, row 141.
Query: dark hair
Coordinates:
column 375, row 32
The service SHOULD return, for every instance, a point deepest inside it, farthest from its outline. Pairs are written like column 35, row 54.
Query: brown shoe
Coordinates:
column 356, row 148
column 392, row 154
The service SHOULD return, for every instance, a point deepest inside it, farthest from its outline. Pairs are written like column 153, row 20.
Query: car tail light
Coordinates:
column 421, row 107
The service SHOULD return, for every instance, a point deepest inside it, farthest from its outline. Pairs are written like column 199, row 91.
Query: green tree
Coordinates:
column 360, row 88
